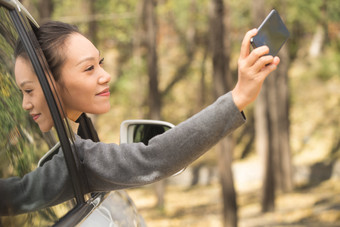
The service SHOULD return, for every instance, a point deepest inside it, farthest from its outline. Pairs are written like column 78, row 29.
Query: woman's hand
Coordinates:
column 253, row 68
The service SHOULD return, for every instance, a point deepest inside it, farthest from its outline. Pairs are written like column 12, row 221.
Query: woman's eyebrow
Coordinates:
column 87, row 59
column 25, row 82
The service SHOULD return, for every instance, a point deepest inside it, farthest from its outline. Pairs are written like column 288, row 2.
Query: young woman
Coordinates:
column 76, row 66
column 82, row 84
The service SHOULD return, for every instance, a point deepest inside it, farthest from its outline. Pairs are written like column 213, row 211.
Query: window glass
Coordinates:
column 22, row 142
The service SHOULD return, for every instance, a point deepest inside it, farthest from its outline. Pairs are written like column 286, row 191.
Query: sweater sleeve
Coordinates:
column 112, row 166
column 43, row 187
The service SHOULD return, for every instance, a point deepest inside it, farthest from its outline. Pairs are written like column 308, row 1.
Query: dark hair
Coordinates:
column 19, row 50
column 51, row 37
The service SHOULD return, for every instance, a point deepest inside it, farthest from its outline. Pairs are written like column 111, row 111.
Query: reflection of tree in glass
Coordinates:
column 12, row 113
column 8, row 37
column 18, row 131
column 21, row 146
column 21, row 141
column 6, row 27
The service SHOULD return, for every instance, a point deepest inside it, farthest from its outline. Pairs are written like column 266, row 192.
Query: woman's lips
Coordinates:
column 35, row 116
column 105, row 92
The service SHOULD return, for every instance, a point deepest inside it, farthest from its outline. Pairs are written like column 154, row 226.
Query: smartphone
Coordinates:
column 272, row 33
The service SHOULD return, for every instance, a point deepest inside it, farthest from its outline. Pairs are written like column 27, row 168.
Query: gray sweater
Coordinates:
column 110, row 166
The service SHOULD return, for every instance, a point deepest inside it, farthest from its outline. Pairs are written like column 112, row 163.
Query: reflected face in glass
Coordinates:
column 33, row 97
column 84, row 84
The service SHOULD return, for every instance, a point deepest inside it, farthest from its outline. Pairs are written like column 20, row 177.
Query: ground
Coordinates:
column 200, row 206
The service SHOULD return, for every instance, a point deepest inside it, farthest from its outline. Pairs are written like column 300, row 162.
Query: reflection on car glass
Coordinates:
column 22, row 143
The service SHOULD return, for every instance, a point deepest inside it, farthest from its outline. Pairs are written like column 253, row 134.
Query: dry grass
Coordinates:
column 201, row 206
column 196, row 206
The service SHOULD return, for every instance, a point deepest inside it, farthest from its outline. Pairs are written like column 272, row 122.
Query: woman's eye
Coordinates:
column 90, row 68
column 101, row 62
column 27, row 91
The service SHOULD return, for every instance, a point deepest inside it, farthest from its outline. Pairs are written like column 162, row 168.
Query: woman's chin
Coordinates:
column 45, row 128
column 103, row 109
column 106, row 108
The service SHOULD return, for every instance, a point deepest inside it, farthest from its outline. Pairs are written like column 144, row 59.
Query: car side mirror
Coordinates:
column 135, row 131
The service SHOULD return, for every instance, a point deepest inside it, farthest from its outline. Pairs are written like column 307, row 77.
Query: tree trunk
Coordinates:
column 150, row 27
column 45, row 10
column 263, row 127
column 272, row 125
column 93, row 24
column 317, row 42
column 221, row 72
column 285, row 178
column 203, row 92
column 146, row 37
column 225, row 150
column 150, row 23
column 320, row 36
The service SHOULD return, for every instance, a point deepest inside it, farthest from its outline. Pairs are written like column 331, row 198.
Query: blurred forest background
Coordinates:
column 169, row 59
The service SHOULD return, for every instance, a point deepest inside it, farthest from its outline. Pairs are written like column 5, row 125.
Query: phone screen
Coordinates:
column 272, row 33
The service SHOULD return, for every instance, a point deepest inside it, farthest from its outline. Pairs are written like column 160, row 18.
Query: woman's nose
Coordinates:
column 26, row 104
column 104, row 77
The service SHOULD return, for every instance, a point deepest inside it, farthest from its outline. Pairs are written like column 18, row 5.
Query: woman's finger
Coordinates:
column 245, row 46
column 262, row 75
column 261, row 63
column 256, row 54
column 276, row 60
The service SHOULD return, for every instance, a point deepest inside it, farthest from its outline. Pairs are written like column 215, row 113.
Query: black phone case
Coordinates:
column 272, row 33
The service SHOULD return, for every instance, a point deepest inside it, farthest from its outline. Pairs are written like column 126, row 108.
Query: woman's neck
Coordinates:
column 73, row 115
column 74, row 125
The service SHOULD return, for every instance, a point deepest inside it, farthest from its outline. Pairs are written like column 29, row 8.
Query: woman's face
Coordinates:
column 83, row 84
column 33, row 97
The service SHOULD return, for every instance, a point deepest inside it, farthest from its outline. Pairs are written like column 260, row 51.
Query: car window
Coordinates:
column 22, row 143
